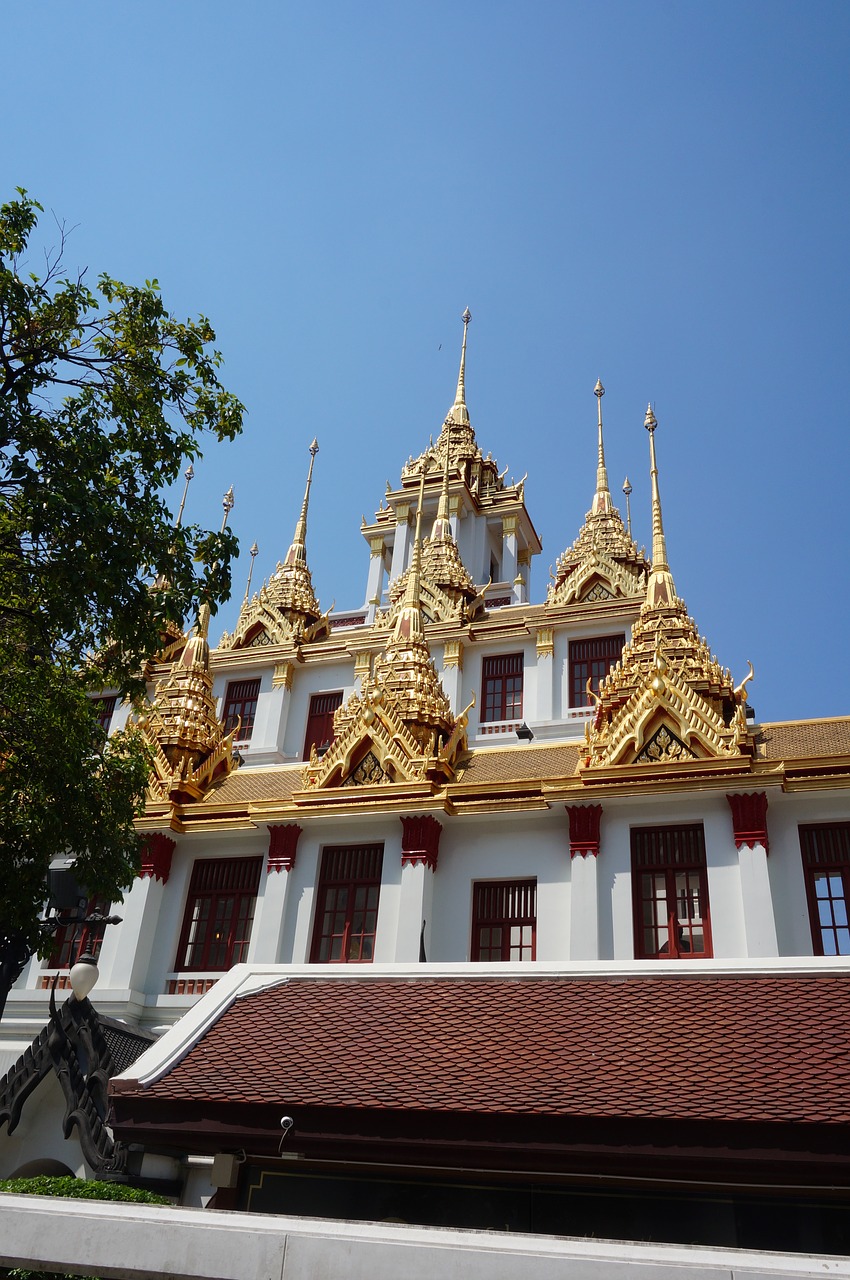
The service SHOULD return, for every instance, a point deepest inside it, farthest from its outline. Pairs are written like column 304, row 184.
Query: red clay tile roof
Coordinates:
column 803, row 739
column 770, row 1047
column 519, row 764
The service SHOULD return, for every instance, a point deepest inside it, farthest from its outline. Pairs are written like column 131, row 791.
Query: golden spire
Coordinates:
column 661, row 590
column 254, row 552
column 189, row 474
column 442, row 526
column 408, row 624
column 298, row 550
column 627, row 490
column 602, row 498
column 459, row 413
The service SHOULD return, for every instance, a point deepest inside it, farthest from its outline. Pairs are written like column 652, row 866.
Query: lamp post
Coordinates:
column 66, row 906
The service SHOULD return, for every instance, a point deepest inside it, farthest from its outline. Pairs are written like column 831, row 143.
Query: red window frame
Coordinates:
column 670, row 893
column 240, row 703
column 504, row 920
column 72, row 940
column 219, row 914
column 825, row 847
column 501, row 687
column 347, row 904
column 592, row 658
column 320, row 721
column 104, row 711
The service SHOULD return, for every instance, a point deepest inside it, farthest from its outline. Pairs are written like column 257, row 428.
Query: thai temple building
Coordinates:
column 465, row 906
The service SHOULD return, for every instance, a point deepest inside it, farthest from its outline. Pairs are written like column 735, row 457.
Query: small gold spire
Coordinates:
column 602, row 498
column 459, row 413
column 298, row 550
column 627, row 490
column 660, row 590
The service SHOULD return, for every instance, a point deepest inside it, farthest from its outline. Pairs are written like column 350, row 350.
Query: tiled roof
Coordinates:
column 519, row 764
column 802, row 739
column 245, row 785
column 754, row 1047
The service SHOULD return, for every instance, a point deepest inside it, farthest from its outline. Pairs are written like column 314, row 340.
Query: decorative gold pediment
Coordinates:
column 602, row 563
column 264, row 621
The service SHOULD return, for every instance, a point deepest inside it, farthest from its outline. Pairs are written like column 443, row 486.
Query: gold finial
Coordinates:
column 253, row 553
column 627, row 490
column 660, row 589
column 459, row 413
column 298, row 550
column 602, row 497
column 189, row 473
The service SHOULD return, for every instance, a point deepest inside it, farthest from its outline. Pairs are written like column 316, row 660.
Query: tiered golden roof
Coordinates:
column 456, row 442
column 447, row 592
column 285, row 610
column 668, row 700
column 603, row 562
column 400, row 726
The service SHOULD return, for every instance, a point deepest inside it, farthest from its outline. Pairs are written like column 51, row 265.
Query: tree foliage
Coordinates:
column 104, row 396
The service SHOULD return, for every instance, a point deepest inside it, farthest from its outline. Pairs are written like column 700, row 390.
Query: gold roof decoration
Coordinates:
column 190, row 748
column 446, row 590
column 456, row 443
column 285, row 610
column 603, row 562
column 668, row 700
column 400, row 726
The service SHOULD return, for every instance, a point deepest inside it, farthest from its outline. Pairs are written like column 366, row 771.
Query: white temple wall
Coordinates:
column 316, row 677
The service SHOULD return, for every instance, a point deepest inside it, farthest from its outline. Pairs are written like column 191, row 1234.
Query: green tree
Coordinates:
column 103, row 397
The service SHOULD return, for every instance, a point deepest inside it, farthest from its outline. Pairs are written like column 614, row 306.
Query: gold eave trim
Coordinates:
column 387, row 796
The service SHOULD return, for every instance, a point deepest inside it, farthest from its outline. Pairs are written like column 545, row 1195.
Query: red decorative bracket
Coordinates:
column 283, row 844
column 157, row 851
column 420, row 841
column 749, row 819
column 584, row 829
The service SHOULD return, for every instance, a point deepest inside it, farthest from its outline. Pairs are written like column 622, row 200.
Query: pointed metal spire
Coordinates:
column 409, row 620
column 459, row 412
column 442, row 526
column 660, row 590
column 627, row 490
column 298, row 549
column 254, row 552
column 602, row 498
column 189, row 473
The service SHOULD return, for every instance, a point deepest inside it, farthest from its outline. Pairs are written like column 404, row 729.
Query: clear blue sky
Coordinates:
column 656, row 194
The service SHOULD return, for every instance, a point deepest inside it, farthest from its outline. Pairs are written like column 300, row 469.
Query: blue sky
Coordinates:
column 652, row 193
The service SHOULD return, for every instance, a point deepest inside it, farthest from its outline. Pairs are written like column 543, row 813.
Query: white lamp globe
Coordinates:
column 84, row 975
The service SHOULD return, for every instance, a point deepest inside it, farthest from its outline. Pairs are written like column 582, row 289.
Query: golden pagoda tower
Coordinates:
column 668, row 700
column 603, row 563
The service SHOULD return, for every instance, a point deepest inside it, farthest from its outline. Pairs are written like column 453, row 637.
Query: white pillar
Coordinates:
column 414, row 906
column 270, row 908
column 401, row 543
column 375, row 583
column 127, row 948
column 545, row 674
column 585, row 820
column 510, row 526
column 584, row 908
column 452, row 673
column 759, row 922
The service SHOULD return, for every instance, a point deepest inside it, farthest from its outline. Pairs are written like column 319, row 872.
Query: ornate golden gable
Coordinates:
column 668, row 699
column 285, row 611
column 401, row 717
column 189, row 746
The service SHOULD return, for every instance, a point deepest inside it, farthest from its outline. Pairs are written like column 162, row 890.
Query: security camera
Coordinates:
column 286, row 1123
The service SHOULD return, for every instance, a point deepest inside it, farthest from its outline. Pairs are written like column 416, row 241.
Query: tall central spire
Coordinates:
column 661, row 590
column 602, row 504
column 408, row 624
column 459, row 413
column 298, row 550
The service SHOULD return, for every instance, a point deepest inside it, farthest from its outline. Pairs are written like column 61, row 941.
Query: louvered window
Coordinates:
column 219, row 913
column 504, row 920
column 501, row 687
column 320, row 722
column 670, row 891
column 240, row 707
column 347, row 904
column 591, row 660
column 826, row 866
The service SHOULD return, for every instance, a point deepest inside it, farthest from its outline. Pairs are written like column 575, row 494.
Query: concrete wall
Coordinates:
column 131, row 1242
